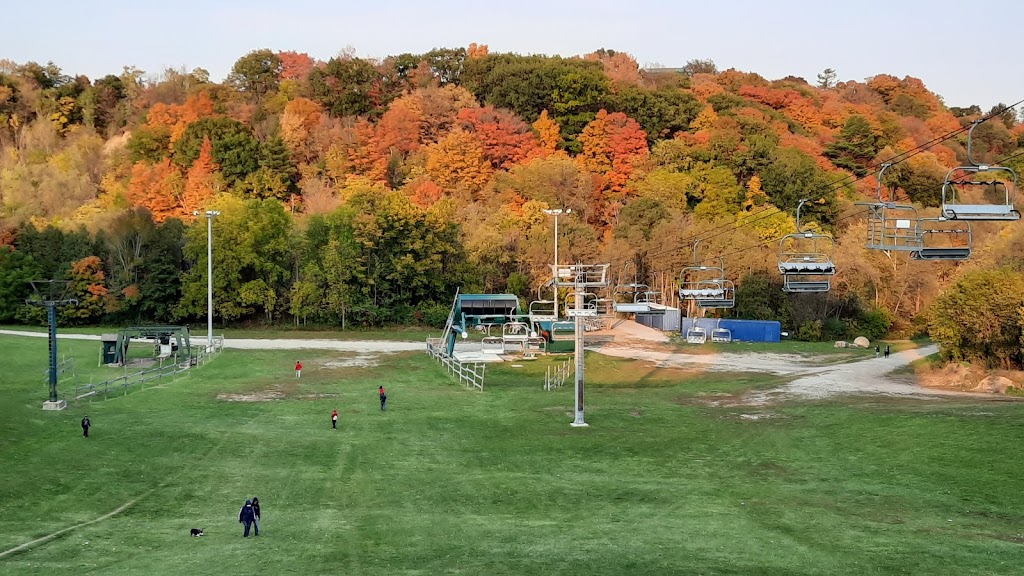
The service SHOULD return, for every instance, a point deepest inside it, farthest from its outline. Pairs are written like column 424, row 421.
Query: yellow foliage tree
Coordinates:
column 705, row 120
column 548, row 132
column 457, row 161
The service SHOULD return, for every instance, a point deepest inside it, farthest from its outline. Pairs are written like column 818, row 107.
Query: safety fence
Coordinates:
column 65, row 370
column 167, row 368
column 468, row 373
column 556, row 375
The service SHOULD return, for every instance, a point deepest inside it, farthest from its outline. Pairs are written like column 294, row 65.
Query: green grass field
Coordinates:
column 454, row 481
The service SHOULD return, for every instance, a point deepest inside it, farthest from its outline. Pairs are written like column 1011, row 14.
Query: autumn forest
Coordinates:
column 357, row 192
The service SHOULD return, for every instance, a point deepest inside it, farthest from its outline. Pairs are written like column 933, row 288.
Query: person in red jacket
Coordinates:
column 298, row 369
column 334, row 419
column 383, row 399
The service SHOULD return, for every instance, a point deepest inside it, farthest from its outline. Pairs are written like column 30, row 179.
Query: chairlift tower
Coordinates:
column 51, row 294
column 580, row 277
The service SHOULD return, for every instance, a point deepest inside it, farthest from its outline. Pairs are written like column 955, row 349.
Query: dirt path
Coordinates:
column 812, row 379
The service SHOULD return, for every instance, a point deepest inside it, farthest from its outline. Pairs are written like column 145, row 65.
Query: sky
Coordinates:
column 932, row 40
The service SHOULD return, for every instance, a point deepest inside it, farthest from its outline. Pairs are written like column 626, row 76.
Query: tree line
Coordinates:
column 361, row 192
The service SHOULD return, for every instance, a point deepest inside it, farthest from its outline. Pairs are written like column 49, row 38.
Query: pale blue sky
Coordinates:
column 930, row 40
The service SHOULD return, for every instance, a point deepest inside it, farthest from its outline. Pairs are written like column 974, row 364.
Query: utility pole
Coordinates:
column 210, row 214
column 556, row 212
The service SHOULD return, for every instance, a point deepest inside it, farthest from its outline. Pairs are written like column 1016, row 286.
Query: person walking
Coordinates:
column 298, row 369
column 246, row 516
column 334, row 419
column 383, row 399
column 876, row 350
column 256, row 514
column 86, row 423
column 886, row 350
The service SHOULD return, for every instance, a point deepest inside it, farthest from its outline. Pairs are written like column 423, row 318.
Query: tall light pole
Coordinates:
column 556, row 212
column 210, row 214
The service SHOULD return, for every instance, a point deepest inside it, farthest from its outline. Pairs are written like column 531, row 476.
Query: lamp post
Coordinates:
column 556, row 212
column 210, row 214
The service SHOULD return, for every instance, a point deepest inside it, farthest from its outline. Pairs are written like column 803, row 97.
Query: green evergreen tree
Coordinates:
column 855, row 147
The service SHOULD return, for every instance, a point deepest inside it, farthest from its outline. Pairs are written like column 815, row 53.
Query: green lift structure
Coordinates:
column 115, row 350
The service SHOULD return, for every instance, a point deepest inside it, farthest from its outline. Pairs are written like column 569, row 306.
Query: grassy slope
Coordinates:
column 455, row 481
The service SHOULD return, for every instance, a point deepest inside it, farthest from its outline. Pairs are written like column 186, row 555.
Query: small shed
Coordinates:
column 109, row 348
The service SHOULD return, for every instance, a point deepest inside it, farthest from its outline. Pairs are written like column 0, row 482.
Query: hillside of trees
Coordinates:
column 358, row 192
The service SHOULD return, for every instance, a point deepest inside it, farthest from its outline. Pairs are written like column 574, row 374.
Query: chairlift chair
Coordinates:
column 720, row 334
column 706, row 285
column 944, row 242
column 696, row 335
column 961, row 179
column 716, row 294
column 805, row 260
column 542, row 310
column 891, row 226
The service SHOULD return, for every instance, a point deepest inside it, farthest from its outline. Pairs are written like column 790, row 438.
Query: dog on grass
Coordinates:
column 196, row 532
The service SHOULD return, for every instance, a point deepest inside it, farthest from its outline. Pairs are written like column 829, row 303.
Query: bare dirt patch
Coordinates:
column 361, row 361
column 262, row 396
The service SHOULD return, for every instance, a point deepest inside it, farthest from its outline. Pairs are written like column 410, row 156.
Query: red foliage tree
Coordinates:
column 295, row 65
column 506, row 139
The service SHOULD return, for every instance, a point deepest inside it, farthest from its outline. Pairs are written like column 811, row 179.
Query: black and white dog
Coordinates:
column 196, row 532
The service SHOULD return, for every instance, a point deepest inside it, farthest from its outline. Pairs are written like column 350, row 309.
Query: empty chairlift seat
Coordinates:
column 979, row 191
column 944, row 240
column 805, row 260
column 707, row 286
column 696, row 335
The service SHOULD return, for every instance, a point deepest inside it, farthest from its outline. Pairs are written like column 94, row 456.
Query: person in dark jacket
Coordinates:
column 86, row 423
column 383, row 399
column 886, row 350
column 246, row 516
column 256, row 514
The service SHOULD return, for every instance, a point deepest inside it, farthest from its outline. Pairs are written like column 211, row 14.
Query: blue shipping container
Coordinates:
column 742, row 330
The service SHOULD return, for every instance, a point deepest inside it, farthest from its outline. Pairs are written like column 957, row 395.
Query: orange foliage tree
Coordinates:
column 202, row 182
column 423, row 192
column 619, row 67
column 298, row 123
column 177, row 117
column 156, row 187
column 89, row 287
column 549, row 133
column 476, row 50
column 457, row 161
column 506, row 139
column 295, row 65
column 613, row 144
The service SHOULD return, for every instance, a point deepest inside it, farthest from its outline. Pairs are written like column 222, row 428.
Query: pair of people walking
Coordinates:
column 249, row 515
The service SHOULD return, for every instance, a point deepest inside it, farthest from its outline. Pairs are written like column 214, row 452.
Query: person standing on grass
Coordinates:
column 334, row 419
column 886, row 350
column 383, row 399
column 86, row 423
column 256, row 514
column 876, row 350
column 298, row 369
column 246, row 516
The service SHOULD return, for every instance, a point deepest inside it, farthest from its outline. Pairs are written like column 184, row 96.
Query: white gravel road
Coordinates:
column 370, row 346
